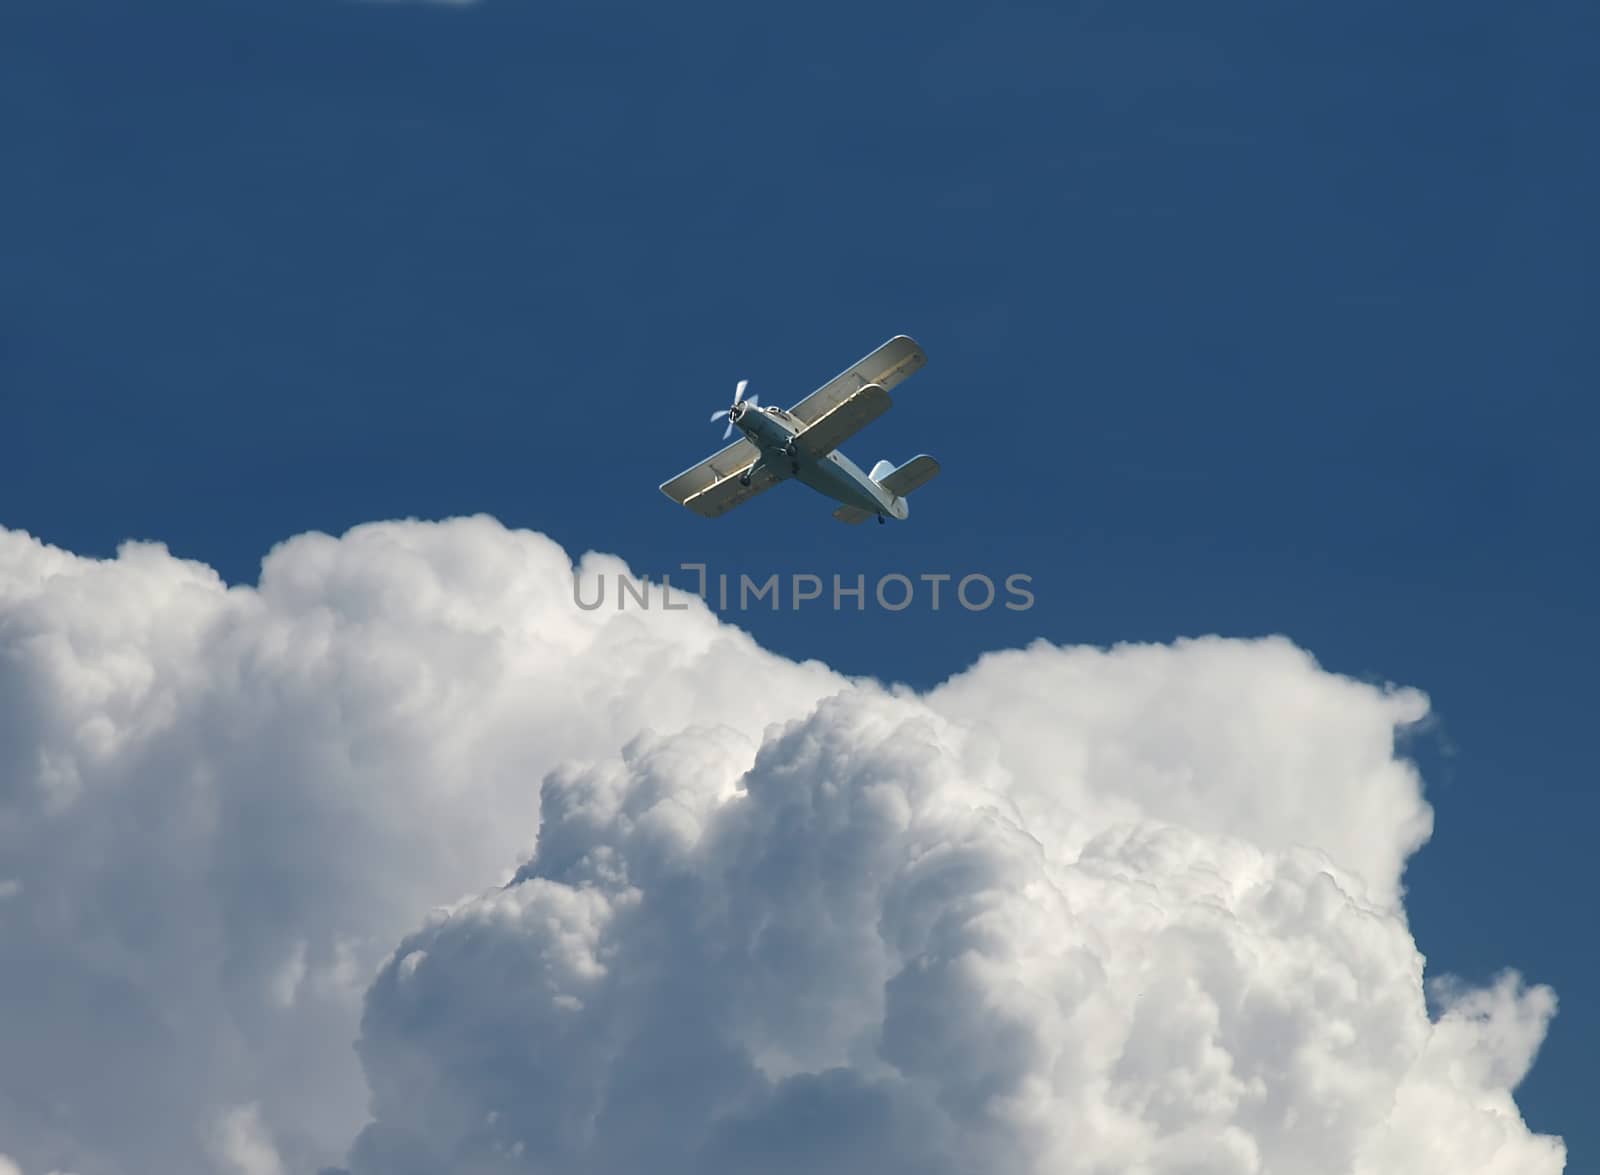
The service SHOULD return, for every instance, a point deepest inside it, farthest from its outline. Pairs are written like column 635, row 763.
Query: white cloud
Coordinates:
column 1137, row 907
column 243, row 1145
column 223, row 808
column 868, row 961
column 7, row 1167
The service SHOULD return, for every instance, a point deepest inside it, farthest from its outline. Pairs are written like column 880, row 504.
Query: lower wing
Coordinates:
column 728, row 493
column 712, row 487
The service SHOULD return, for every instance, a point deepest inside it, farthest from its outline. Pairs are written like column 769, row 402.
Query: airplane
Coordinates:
column 802, row 443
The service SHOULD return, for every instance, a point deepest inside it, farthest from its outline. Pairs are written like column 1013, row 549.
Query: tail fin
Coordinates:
column 881, row 470
column 916, row 472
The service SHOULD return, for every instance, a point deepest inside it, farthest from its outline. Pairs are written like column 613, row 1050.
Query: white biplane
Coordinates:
column 803, row 443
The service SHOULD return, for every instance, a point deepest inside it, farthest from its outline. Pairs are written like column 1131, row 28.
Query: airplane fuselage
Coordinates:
column 833, row 475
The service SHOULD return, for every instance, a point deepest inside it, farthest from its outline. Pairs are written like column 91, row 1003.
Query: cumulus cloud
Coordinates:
column 222, row 808
column 859, row 956
column 695, row 906
column 7, row 1167
column 242, row 1144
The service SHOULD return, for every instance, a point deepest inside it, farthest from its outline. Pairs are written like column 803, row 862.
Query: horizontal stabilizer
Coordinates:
column 854, row 515
column 918, row 471
column 881, row 470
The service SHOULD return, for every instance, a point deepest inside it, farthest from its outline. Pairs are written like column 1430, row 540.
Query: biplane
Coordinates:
column 803, row 443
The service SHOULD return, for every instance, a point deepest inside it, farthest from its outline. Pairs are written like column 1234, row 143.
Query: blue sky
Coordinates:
column 1240, row 319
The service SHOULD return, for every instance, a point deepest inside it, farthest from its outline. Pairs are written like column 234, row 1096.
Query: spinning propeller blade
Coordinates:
column 738, row 398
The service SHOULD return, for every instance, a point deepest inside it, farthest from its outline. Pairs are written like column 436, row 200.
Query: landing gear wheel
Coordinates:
column 881, row 520
column 744, row 480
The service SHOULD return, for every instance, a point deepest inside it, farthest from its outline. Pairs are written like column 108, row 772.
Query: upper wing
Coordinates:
column 712, row 487
column 886, row 366
column 852, row 413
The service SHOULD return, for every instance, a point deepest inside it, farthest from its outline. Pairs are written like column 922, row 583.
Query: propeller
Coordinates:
column 732, row 413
